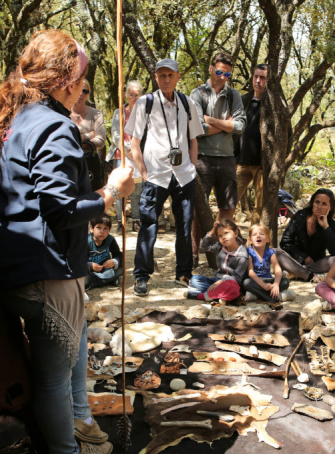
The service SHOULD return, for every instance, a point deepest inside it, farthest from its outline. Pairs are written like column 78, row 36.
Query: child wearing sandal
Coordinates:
column 326, row 289
column 232, row 262
column 260, row 283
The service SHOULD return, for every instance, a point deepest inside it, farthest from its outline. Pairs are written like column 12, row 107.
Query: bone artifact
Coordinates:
column 278, row 339
column 218, row 399
column 286, row 386
column 278, row 360
column 178, row 407
column 216, row 415
column 329, row 382
column 313, row 412
column 229, row 368
column 207, row 424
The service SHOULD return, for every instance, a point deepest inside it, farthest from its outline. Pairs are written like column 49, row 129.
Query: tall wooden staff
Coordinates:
column 124, row 424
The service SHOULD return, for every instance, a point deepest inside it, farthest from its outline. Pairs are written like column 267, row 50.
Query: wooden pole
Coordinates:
column 124, row 424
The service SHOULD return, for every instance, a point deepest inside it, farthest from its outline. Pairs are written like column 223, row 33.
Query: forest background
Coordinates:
column 296, row 38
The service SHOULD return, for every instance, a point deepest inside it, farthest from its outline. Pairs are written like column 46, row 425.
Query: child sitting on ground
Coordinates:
column 326, row 289
column 261, row 284
column 104, row 255
column 232, row 262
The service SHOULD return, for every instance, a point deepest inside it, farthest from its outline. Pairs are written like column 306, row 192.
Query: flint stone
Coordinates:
column 311, row 315
column 215, row 313
column 98, row 335
column 313, row 412
column 230, row 312
column 92, row 310
column 329, row 400
column 198, row 311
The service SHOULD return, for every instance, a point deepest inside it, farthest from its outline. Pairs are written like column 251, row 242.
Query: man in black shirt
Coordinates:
column 248, row 146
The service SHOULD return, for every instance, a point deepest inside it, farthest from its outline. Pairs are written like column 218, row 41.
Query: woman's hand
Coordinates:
column 323, row 220
column 108, row 264
column 213, row 286
column 123, row 180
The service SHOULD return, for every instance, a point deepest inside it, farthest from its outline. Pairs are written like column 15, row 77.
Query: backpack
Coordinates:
column 204, row 98
column 148, row 107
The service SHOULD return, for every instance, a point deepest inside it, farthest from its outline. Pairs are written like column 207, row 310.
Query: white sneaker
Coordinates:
column 287, row 295
column 326, row 306
column 249, row 297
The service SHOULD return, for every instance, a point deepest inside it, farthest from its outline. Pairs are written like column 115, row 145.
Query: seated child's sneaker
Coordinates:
column 248, row 297
column 287, row 295
column 326, row 306
column 191, row 295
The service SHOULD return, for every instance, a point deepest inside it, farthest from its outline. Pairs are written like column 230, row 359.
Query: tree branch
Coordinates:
column 317, row 75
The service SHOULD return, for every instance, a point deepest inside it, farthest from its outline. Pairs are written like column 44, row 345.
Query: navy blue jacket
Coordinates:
column 45, row 198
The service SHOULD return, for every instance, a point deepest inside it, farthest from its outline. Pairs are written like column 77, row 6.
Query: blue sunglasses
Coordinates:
column 218, row 72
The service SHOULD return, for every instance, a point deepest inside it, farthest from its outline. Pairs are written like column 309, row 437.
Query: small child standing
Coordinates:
column 261, row 284
column 326, row 289
column 104, row 255
column 232, row 263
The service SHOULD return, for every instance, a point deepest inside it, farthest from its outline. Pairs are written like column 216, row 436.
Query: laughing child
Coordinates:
column 261, row 284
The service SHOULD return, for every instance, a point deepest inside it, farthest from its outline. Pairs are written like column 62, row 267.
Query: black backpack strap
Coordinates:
column 148, row 108
column 230, row 99
column 184, row 102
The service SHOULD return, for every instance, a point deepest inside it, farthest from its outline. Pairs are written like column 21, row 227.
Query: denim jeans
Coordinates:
column 59, row 392
column 151, row 204
column 134, row 200
column 228, row 289
column 104, row 277
column 251, row 286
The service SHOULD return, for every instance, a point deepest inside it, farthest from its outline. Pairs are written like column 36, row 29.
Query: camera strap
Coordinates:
column 167, row 128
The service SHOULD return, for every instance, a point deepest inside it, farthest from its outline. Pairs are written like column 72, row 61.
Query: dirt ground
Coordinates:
column 164, row 293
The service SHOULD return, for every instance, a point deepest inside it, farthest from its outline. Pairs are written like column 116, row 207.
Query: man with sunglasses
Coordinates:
column 248, row 146
column 221, row 113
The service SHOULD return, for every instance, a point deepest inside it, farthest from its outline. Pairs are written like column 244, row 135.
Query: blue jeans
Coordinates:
column 202, row 283
column 104, row 277
column 134, row 200
column 59, row 391
column 151, row 204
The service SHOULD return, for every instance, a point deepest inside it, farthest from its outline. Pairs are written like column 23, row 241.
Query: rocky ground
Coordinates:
column 164, row 293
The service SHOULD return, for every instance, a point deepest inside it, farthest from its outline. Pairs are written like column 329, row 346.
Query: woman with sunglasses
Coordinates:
column 90, row 122
column 46, row 203
column 309, row 234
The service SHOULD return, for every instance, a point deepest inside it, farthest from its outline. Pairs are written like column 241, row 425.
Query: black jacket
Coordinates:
column 299, row 244
column 45, row 198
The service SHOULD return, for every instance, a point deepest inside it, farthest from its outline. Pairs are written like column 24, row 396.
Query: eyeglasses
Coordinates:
column 218, row 72
column 86, row 91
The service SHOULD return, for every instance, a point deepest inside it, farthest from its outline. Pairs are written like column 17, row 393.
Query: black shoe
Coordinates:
column 140, row 288
column 191, row 295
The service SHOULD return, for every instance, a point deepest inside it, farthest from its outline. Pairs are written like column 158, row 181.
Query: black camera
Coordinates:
column 176, row 156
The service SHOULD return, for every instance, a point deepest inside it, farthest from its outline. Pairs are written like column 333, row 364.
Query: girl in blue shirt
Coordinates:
column 261, row 284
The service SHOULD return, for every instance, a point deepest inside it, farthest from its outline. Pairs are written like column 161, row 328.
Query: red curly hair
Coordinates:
column 49, row 61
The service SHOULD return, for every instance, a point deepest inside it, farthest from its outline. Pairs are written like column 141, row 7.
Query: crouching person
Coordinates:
column 104, row 255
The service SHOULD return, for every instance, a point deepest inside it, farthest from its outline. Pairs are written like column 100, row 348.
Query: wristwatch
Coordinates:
column 113, row 191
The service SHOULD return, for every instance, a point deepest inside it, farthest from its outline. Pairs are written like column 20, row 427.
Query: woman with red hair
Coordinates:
column 45, row 205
